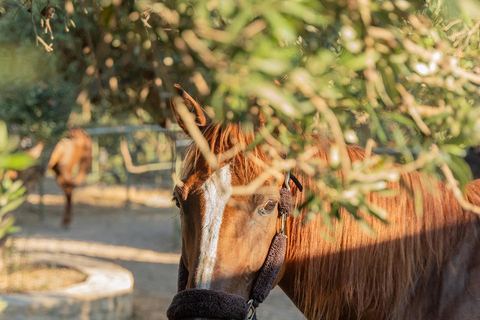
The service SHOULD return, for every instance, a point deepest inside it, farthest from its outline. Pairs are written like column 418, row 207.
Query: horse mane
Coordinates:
column 363, row 274
column 356, row 274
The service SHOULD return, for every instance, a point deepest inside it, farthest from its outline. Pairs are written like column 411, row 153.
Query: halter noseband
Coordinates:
column 203, row 303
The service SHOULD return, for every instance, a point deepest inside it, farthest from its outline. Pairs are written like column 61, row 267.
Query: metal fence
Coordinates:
column 144, row 151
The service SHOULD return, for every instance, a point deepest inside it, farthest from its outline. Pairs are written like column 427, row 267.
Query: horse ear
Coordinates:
column 201, row 118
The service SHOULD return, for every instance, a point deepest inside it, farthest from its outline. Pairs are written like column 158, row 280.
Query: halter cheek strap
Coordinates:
column 195, row 303
column 270, row 269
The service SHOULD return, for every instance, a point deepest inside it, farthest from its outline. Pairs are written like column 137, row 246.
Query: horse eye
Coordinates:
column 269, row 206
column 177, row 203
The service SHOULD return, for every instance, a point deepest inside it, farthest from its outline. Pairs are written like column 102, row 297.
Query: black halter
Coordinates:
column 203, row 303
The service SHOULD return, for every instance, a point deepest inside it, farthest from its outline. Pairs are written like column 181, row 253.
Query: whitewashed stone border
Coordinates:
column 107, row 293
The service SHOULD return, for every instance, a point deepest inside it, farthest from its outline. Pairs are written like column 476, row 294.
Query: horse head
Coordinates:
column 232, row 244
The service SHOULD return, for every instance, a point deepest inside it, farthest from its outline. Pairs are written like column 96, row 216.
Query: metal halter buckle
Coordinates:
column 282, row 226
column 287, row 180
column 251, row 310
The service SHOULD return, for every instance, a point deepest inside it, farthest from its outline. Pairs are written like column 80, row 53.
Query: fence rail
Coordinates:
column 173, row 136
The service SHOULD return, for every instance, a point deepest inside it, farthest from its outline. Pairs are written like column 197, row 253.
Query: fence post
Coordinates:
column 127, row 185
column 95, row 162
column 176, row 165
column 129, row 177
column 41, row 207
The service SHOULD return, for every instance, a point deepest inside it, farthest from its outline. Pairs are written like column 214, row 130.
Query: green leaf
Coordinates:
column 5, row 226
column 108, row 14
column 461, row 170
column 471, row 8
column 335, row 210
column 436, row 118
column 16, row 162
column 3, row 306
column 226, row 8
column 3, row 136
column 321, row 62
column 281, row 28
column 382, row 136
column 366, row 227
column 403, row 120
column 273, row 67
column 278, row 99
column 242, row 18
column 11, row 195
column 15, row 186
column 454, row 149
column 13, row 229
column 418, row 200
column 12, row 205
column 359, row 62
column 303, row 12
column 378, row 212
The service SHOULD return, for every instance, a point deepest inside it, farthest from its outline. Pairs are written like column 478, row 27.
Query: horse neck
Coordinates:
column 369, row 273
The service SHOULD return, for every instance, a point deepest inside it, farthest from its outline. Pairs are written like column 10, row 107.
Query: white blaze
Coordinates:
column 216, row 192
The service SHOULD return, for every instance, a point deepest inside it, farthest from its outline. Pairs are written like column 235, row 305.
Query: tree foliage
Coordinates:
column 397, row 75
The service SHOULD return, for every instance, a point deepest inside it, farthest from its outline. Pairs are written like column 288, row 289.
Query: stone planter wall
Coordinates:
column 107, row 294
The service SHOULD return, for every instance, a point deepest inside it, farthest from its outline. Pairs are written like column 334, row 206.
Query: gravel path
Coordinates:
column 144, row 240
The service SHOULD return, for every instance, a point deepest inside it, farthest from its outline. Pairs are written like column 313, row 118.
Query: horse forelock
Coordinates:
column 221, row 138
column 356, row 272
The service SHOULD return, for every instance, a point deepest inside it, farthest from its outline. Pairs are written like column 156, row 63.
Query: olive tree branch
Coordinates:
column 195, row 133
column 452, row 184
column 332, row 120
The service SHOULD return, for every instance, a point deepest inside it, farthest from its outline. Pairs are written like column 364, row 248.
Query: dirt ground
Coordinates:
column 143, row 239
column 21, row 276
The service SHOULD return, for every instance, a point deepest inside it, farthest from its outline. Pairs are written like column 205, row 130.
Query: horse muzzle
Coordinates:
column 213, row 304
column 209, row 304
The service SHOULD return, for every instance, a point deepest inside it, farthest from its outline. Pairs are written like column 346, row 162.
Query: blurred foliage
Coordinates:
column 3, row 306
column 34, row 98
column 12, row 193
column 402, row 75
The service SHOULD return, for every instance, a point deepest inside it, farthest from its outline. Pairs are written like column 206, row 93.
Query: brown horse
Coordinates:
column 70, row 153
column 419, row 267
